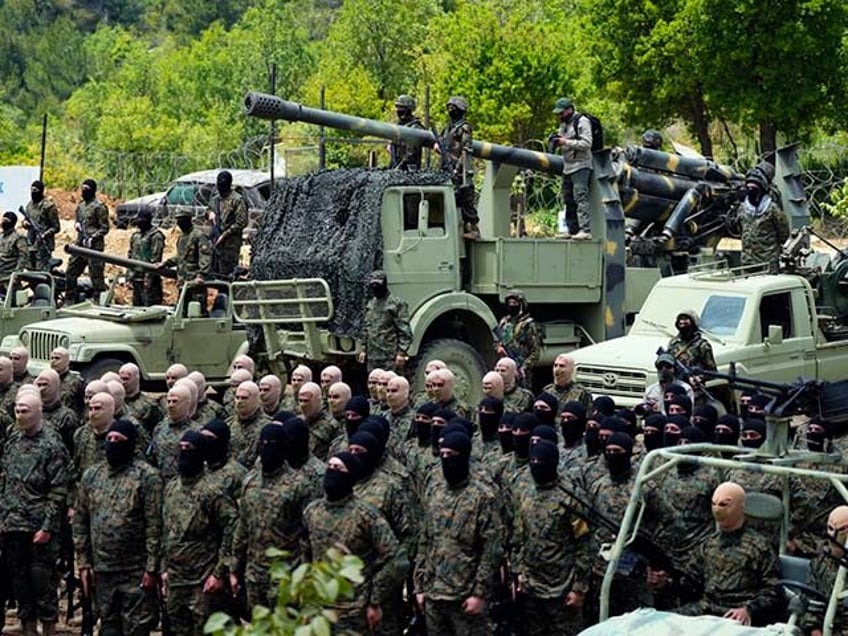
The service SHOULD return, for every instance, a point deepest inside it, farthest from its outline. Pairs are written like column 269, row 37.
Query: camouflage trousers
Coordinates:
column 226, row 261
column 260, row 589
column 124, row 607
column 35, row 581
column 188, row 608
column 447, row 618
column 550, row 617
column 464, row 197
column 147, row 290
column 77, row 265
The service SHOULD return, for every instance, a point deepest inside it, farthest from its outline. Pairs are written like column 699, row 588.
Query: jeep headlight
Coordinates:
column 25, row 338
column 65, row 341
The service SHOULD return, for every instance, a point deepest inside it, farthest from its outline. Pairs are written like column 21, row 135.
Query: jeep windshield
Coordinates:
column 720, row 314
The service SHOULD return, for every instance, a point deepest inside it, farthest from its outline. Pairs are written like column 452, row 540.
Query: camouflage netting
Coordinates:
column 327, row 225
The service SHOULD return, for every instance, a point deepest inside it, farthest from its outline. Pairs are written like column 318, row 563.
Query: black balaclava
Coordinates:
column 652, row 431
column 423, row 418
column 521, row 428
column 818, row 441
column 379, row 427
column 144, row 220
column 121, row 453
column 630, row 419
column 610, row 425
column 671, row 391
column 89, row 190
column 273, row 447
column 604, row 405
column 744, row 400
column 217, row 449
column 672, row 438
column 457, row 468
column 224, row 182
column 683, row 402
column 727, row 438
column 505, row 432
column 467, row 425
column 190, row 460
column 439, row 415
column 618, row 464
column 36, row 191
column 753, row 424
column 338, row 484
column 690, row 435
column 373, row 451
column 489, row 420
column 705, row 418
column 546, row 417
column 9, row 221
column 592, row 439
column 544, row 462
column 573, row 429
column 283, row 416
column 297, row 453
column 185, row 223
column 686, row 333
column 758, row 402
column 361, row 407
column 543, row 433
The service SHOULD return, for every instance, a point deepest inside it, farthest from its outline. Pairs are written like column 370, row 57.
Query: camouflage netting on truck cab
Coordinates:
column 327, row 225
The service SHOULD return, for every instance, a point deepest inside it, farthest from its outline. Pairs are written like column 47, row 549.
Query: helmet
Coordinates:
column 652, row 139
column 562, row 104
column 691, row 314
column 758, row 178
column 377, row 276
column 459, row 102
column 405, row 101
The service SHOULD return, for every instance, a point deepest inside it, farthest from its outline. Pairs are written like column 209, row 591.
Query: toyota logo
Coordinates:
column 609, row 379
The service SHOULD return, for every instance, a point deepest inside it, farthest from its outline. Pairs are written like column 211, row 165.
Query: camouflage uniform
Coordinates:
column 148, row 247
column 62, row 420
column 271, row 515
column 46, row 216
column 231, row 213
column 517, row 400
column 194, row 257
column 823, row 570
column 244, row 436
column 165, row 446
column 89, row 448
column 694, row 353
column 145, row 409
column 551, row 558
column 571, row 392
column 406, row 155
column 229, row 478
column 117, row 530
column 385, row 331
column 400, row 430
column 94, row 218
column 457, row 406
column 14, row 253
column 456, row 142
column 737, row 569
column 323, row 429
column 762, row 235
column 519, row 336
column 364, row 532
column 72, row 389
column 196, row 543
column 207, row 411
column 34, row 489
column 459, row 552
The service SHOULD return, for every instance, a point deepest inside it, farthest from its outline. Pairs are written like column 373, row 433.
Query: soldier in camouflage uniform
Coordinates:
column 141, row 406
column 270, row 392
column 386, row 334
column 406, row 155
column 117, row 529
column 323, row 429
column 823, row 570
column 516, row 398
column 14, row 253
column 43, row 212
column 460, row 545
column 34, row 481
column 193, row 259
column 738, row 566
column 340, row 517
column 689, row 346
column 270, row 516
column 455, row 146
column 8, row 391
column 72, row 385
column 20, row 365
column 196, row 541
column 90, row 438
column 229, row 399
column 229, row 220
column 246, row 423
column 228, row 472
column 147, row 244
column 206, row 409
column 517, row 336
column 55, row 414
column 763, row 225
column 165, row 442
column 564, row 388
column 337, row 398
column 399, row 416
column 443, row 382
column 92, row 226
column 551, row 555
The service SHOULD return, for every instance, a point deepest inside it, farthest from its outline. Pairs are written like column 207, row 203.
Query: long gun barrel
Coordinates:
column 120, row 260
column 270, row 107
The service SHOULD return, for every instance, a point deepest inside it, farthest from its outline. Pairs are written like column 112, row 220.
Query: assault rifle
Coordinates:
column 33, row 229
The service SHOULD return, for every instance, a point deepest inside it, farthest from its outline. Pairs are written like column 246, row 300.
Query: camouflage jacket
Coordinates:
column 520, row 337
column 361, row 529
column 71, row 389
column 385, row 330
column 62, row 420
column 271, row 515
column 551, row 544
column 696, row 353
column 145, row 409
column 323, row 429
column 94, row 217
column 164, row 448
column 244, row 437
column 762, row 234
column 229, row 478
column 231, row 212
column 517, row 400
column 198, row 536
column 14, row 253
column 386, row 494
column 406, row 155
column 456, row 144
column 90, row 449
column 146, row 246
column 457, row 406
column 460, row 542
column 117, row 525
column 610, row 498
column 194, row 256
column 400, row 430
column 823, row 570
column 207, row 411
column 46, row 216
column 34, row 481
column 738, row 569
column 571, row 392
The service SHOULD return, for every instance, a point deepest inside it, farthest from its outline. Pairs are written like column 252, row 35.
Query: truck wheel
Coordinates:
column 462, row 359
column 99, row 367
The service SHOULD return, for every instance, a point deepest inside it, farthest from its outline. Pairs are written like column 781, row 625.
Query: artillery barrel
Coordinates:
column 130, row 263
column 270, row 107
column 693, row 167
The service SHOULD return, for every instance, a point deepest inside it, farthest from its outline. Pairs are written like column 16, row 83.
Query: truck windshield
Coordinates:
column 720, row 314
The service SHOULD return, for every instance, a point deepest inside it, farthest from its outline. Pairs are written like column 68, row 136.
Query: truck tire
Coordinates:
column 462, row 359
column 99, row 367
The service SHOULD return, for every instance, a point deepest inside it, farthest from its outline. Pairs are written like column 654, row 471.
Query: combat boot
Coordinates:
column 471, row 231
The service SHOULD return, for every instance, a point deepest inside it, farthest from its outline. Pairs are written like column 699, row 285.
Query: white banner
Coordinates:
column 14, row 186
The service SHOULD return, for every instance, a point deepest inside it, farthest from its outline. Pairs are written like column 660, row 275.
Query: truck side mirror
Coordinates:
column 423, row 216
column 775, row 335
column 193, row 309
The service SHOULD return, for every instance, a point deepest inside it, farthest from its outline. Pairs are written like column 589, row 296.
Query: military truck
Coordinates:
column 579, row 292
column 29, row 297
column 774, row 327
column 102, row 337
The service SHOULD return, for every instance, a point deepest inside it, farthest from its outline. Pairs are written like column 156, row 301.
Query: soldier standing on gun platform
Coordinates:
column 92, row 226
column 42, row 212
column 229, row 218
column 146, row 244
column 575, row 138
column 194, row 256
column 455, row 146
column 14, row 254
column 406, row 155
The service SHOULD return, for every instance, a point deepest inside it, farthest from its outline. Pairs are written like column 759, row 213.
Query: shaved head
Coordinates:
column 337, row 398
column 493, row 385
column 95, row 386
column 434, row 365
column 300, row 376
column 101, row 411
column 110, row 376
column 28, row 412
column 397, row 393
column 131, row 378
column 247, row 399
column 174, row 373
column 60, row 360
column 270, row 390
column 179, row 403
column 508, row 370
column 309, row 398
column 329, row 376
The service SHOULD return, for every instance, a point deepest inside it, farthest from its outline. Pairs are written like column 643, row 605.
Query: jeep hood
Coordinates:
column 88, row 330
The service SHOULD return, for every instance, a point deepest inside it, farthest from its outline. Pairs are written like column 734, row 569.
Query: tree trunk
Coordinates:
column 701, row 123
column 768, row 140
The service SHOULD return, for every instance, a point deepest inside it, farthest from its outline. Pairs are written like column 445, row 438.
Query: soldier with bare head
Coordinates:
column 90, row 439
column 246, row 423
column 329, row 376
column 337, row 399
column 443, row 382
column 20, row 360
column 270, row 394
column 493, row 385
column 206, row 409
column 236, row 378
column 165, row 443
column 73, row 384
column 516, row 398
column 564, row 388
column 54, row 413
column 323, row 429
column 399, row 414
column 141, row 406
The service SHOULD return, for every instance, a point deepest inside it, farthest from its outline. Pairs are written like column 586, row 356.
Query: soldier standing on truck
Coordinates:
column 517, row 336
column 229, row 218
column 575, row 138
column 455, row 146
column 406, row 155
column 42, row 213
column 14, row 254
column 92, row 225
column 146, row 244
column 386, row 334
column 194, row 256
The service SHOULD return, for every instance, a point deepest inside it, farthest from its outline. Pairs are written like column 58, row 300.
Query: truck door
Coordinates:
column 421, row 248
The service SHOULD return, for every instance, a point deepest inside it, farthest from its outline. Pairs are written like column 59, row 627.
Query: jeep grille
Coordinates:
column 41, row 343
column 612, row 381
